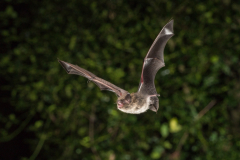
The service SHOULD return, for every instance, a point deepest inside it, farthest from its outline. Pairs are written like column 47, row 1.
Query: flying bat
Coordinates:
column 146, row 97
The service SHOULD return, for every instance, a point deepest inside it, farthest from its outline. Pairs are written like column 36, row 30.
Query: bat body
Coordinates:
column 146, row 97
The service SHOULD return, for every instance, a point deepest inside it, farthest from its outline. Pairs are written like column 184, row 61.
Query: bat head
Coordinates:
column 124, row 102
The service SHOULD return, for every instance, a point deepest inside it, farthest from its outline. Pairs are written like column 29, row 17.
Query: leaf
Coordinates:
column 174, row 126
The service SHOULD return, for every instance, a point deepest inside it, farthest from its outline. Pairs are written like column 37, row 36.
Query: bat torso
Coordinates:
column 139, row 104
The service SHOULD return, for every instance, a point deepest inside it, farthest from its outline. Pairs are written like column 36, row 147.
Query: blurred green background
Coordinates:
column 47, row 114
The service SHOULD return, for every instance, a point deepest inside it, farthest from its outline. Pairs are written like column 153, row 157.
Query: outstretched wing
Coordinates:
column 101, row 83
column 154, row 60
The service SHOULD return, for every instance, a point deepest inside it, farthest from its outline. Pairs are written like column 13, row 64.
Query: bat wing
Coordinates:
column 101, row 83
column 154, row 60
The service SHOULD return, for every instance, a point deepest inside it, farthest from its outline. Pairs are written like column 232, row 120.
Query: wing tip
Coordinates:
column 65, row 65
column 168, row 28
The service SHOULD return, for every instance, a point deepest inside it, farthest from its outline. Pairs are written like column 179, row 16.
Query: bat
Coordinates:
column 146, row 97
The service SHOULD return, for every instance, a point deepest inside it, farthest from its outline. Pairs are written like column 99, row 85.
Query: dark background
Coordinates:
column 47, row 114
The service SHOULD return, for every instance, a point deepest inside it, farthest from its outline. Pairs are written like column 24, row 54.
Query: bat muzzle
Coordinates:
column 119, row 104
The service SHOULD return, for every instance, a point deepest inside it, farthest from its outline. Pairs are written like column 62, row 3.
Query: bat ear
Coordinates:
column 154, row 107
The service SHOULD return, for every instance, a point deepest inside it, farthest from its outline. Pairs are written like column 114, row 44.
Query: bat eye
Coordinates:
column 127, row 101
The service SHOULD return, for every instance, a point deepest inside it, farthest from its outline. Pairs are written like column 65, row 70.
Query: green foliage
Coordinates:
column 69, row 118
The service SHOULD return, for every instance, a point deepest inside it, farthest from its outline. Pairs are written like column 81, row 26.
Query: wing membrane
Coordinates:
column 154, row 60
column 101, row 83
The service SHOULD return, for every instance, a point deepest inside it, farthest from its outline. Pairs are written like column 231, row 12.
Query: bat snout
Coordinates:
column 119, row 104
